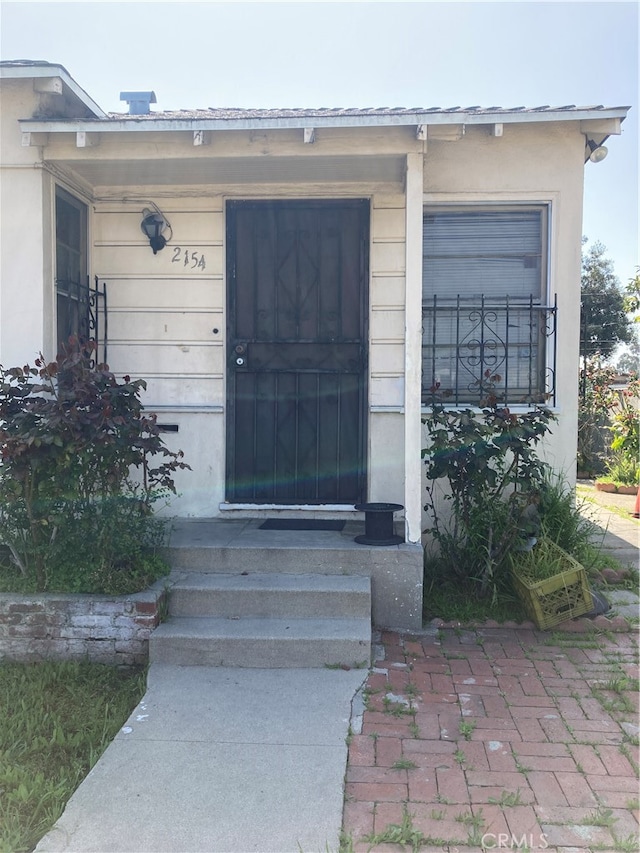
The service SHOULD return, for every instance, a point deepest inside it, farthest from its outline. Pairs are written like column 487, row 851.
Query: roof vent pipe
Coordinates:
column 139, row 102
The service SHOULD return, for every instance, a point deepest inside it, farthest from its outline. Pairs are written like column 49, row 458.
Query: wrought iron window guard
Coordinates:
column 86, row 312
column 475, row 347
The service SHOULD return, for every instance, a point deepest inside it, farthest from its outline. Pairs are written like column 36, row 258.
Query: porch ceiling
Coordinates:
column 238, row 170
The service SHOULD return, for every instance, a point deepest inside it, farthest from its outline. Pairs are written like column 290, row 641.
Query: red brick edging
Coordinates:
column 583, row 625
column 98, row 628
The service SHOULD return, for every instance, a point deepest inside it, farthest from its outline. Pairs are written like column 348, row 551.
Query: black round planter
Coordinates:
column 378, row 524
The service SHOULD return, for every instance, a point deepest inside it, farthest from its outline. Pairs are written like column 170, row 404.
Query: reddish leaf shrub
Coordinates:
column 82, row 465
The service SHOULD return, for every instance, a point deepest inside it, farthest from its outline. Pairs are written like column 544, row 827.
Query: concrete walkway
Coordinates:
column 618, row 532
column 218, row 760
column 612, row 513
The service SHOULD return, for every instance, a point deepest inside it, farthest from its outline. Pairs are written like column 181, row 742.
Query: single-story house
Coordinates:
column 292, row 282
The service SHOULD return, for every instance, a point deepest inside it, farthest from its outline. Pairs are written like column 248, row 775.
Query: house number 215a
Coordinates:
column 192, row 259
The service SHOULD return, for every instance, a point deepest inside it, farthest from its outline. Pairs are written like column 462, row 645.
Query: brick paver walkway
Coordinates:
column 497, row 738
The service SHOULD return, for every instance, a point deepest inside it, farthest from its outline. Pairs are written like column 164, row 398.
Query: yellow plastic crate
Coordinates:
column 555, row 599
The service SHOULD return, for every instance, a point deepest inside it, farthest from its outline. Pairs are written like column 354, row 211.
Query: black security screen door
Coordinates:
column 297, row 343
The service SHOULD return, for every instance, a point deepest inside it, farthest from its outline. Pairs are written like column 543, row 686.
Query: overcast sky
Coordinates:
column 417, row 54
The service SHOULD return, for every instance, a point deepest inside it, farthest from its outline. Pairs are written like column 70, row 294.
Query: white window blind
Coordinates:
column 497, row 253
column 484, row 280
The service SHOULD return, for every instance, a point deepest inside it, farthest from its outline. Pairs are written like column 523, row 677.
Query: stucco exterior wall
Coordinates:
column 167, row 313
column 26, row 217
column 536, row 164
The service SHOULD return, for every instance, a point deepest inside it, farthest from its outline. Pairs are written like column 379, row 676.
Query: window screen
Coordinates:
column 72, row 292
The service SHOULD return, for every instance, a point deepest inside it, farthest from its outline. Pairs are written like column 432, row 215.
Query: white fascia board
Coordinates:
column 404, row 120
column 39, row 71
column 610, row 127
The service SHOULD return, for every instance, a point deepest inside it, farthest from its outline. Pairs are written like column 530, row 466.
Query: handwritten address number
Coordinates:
column 192, row 259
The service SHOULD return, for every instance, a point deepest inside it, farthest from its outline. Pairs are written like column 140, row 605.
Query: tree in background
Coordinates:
column 597, row 401
column 629, row 360
column 632, row 296
column 604, row 322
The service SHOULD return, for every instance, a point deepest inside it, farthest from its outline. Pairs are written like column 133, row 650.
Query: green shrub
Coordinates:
column 621, row 469
column 80, row 476
column 493, row 479
column 558, row 517
column 596, row 401
column 563, row 519
column 626, row 424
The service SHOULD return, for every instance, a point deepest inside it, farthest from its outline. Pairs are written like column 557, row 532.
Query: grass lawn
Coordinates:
column 56, row 719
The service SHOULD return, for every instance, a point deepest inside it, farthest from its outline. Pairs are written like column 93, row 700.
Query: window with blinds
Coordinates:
column 484, row 304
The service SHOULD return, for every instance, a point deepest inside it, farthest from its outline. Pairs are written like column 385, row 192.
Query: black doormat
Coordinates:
column 301, row 524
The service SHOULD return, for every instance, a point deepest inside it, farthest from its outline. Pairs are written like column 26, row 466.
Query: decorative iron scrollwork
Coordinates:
column 469, row 345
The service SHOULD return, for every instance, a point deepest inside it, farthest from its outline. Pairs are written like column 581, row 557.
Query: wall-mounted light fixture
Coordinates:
column 154, row 224
column 594, row 152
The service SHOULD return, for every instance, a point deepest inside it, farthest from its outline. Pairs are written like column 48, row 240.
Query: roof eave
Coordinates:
column 46, row 70
column 148, row 125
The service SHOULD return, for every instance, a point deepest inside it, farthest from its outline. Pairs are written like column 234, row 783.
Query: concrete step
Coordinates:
column 232, row 546
column 271, row 596
column 294, row 559
column 262, row 643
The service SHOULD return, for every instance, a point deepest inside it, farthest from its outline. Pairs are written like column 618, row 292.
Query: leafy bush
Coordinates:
column 565, row 520
column 79, row 476
column 624, row 464
column 597, row 399
column 494, row 477
column 108, row 548
column 622, row 470
column 604, row 410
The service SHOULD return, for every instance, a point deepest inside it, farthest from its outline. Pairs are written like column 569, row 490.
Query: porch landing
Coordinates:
column 234, row 545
